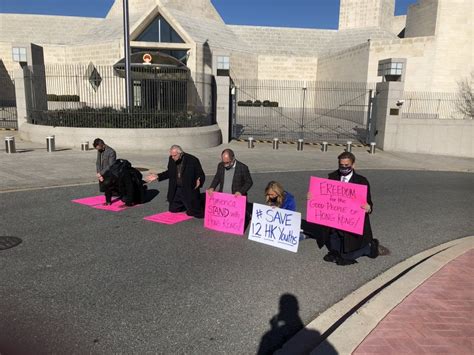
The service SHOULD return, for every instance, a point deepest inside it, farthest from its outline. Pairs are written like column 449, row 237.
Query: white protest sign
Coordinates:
column 276, row 227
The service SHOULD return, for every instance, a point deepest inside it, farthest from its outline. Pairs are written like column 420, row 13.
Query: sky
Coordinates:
column 279, row 13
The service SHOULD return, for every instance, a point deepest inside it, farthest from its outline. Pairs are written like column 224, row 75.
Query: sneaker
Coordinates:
column 374, row 249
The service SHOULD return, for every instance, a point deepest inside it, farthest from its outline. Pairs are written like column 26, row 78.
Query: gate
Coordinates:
column 8, row 113
column 315, row 111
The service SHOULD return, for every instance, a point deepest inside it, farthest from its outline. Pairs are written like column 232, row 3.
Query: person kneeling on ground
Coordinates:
column 124, row 180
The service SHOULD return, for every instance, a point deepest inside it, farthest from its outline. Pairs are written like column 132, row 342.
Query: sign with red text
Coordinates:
column 276, row 227
column 225, row 212
column 337, row 204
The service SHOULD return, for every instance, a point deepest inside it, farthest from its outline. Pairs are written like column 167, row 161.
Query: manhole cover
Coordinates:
column 9, row 242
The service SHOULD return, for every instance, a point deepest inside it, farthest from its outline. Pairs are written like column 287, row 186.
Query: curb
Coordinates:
column 346, row 324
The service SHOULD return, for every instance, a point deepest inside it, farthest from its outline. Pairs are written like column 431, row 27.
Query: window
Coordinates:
column 223, row 62
column 159, row 30
column 19, row 54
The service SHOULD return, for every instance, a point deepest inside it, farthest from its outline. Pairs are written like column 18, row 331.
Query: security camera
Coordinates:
column 400, row 103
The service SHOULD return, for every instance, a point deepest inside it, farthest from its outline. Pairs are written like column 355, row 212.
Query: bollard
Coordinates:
column 85, row 146
column 349, row 146
column 299, row 145
column 251, row 143
column 50, row 144
column 372, row 148
column 10, row 145
column 276, row 143
column 324, row 148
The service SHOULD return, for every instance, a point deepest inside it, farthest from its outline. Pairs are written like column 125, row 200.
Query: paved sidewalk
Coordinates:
column 435, row 318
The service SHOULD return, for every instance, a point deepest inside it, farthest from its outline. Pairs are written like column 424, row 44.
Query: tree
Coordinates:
column 466, row 95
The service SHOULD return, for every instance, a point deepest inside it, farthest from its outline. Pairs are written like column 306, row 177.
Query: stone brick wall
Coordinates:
column 421, row 19
column 366, row 13
column 287, row 68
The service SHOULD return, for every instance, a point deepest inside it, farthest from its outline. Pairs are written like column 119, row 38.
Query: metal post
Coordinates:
column 50, row 146
column 10, row 145
column 275, row 143
column 324, row 148
column 250, row 142
column 85, row 146
column 349, row 146
column 302, row 113
column 299, row 145
column 372, row 148
column 126, row 38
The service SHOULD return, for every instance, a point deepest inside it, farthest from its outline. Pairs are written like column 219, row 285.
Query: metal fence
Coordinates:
column 8, row 112
column 94, row 96
column 433, row 105
column 314, row 111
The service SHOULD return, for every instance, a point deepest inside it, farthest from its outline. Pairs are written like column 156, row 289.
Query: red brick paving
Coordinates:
column 436, row 318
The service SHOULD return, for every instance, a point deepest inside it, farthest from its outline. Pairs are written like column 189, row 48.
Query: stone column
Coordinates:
column 20, row 93
column 387, row 113
column 222, row 107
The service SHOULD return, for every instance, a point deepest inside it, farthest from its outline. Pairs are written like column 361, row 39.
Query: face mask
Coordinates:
column 274, row 200
column 345, row 170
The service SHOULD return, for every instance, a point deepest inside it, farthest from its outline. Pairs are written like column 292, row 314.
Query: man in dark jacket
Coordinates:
column 186, row 177
column 232, row 176
column 106, row 156
column 126, row 181
column 345, row 247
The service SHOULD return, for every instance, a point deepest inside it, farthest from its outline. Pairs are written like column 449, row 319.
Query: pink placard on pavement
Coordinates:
column 98, row 203
column 91, row 201
column 337, row 204
column 168, row 217
column 225, row 213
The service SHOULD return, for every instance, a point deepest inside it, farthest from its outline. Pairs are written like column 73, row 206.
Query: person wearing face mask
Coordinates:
column 345, row 247
column 276, row 196
column 232, row 176
column 106, row 157
column 186, row 177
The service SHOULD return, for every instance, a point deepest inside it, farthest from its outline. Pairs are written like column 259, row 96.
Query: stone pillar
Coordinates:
column 222, row 107
column 20, row 93
column 387, row 113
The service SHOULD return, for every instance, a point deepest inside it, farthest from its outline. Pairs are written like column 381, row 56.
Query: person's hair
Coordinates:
column 278, row 189
column 177, row 148
column 97, row 141
column 230, row 152
column 347, row 155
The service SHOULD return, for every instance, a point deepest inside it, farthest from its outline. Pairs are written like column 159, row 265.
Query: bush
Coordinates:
column 63, row 98
column 257, row 103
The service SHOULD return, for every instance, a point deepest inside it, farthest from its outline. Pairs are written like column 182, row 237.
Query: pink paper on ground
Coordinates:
column 337, row 204
column 91, row 201
column 98, row 203
column 168, row 217
column 225, row 213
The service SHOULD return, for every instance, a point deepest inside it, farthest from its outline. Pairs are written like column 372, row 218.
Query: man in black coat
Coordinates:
column 186, row 177
column 232, row 176
column 345, row 247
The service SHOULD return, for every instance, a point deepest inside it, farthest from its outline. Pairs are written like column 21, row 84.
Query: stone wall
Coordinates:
column 366, row 13
column 287, row 68
column 421, row 19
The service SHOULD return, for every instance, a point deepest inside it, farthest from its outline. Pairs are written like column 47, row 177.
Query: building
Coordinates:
column 434, row 41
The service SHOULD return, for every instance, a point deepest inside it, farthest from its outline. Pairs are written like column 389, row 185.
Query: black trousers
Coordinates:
column 192, row 204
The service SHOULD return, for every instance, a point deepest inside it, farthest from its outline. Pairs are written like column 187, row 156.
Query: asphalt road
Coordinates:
column 91, row 281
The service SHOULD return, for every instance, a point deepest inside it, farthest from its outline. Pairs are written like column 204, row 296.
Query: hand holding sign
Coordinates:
column 337, row 204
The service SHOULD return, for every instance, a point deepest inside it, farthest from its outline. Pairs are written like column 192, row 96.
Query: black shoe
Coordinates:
column 344, row 262
column 374, row 249
column 330, row 257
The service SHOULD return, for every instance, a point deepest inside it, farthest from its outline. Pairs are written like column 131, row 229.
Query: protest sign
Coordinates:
column 225, row 212
column 337, row 204
column 276, row 227
column 168, row 218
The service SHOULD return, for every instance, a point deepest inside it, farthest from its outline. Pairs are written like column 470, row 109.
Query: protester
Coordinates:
column 345, row 247
column 186, row 177
column 276, row 196
column 232, row 176
column 125, row 181
column 106, row 156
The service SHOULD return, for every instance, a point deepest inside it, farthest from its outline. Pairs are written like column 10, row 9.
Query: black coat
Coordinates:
column 242, row 181
column 353, row 241
column 191, row 171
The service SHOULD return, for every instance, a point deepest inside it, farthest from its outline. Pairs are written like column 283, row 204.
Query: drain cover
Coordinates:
column 9, row 242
